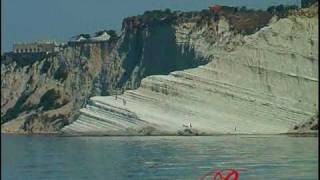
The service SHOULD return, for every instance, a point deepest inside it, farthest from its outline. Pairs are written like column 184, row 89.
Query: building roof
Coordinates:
column 103, row 37
column 81, row 38
column 78, row 38
column 36, row 42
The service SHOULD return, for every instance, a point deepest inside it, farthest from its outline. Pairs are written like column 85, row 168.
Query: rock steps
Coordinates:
column 265, row 86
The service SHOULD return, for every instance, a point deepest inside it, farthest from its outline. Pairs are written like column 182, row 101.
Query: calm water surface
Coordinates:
column 48, row 157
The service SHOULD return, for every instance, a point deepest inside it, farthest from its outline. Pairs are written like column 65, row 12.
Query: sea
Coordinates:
column 40, row 157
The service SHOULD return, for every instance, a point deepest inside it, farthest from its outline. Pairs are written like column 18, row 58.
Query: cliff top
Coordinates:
column 242, row 20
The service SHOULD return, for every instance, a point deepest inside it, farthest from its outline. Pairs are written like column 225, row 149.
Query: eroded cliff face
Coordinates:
column 45, row 95
column 44, row 92
column 265, row 82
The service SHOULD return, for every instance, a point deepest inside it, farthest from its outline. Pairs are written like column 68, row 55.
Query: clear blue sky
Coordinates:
column 29, row 20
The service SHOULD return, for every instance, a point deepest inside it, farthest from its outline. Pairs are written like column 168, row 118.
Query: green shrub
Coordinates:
column 281, row 10
column 87, row 36
column 307, row 3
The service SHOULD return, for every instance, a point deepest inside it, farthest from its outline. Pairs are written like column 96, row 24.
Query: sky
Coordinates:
column 31, row 20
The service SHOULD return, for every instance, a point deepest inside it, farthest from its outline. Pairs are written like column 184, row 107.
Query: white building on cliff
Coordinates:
column 36, row 47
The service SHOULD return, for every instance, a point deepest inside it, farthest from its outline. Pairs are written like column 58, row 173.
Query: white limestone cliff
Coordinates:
column 263, row 83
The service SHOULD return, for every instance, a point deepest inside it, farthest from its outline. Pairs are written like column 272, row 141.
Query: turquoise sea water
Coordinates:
column 257, row 157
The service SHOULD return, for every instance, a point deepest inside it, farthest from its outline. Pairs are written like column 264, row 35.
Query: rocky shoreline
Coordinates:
column 61, row 134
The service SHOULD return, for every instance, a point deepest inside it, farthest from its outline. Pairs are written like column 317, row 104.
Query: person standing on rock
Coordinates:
column 124, row 102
